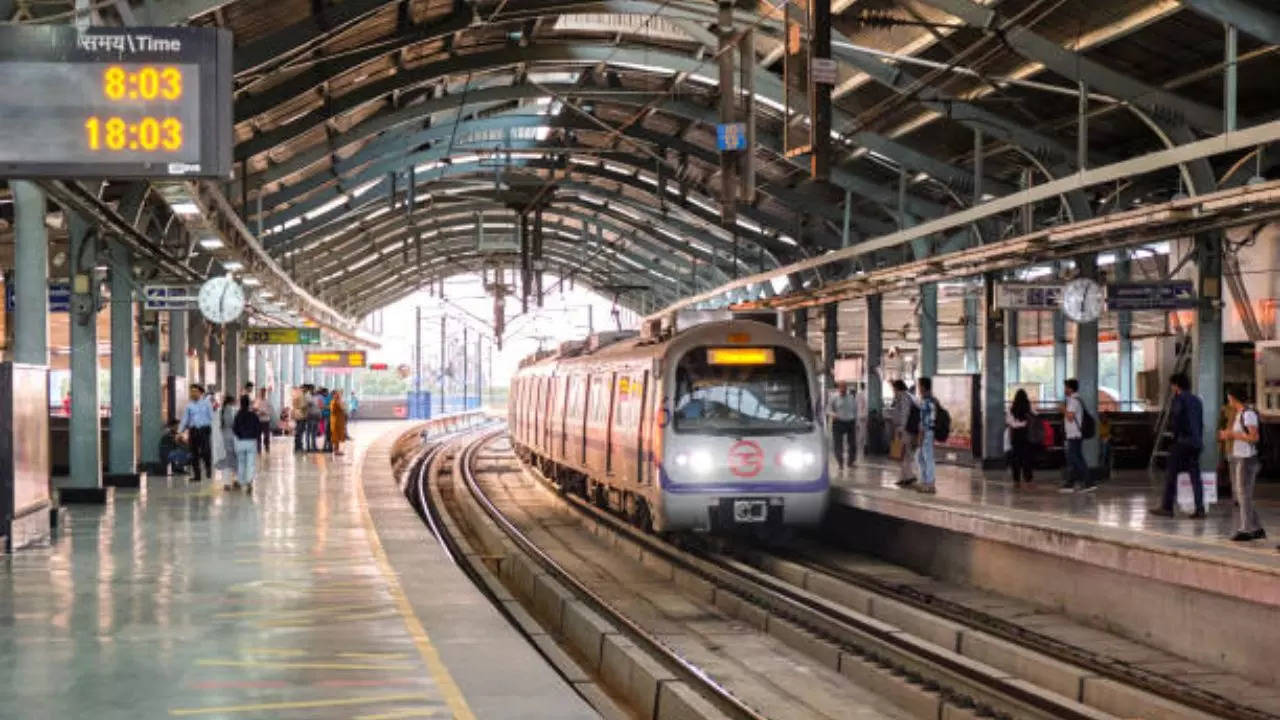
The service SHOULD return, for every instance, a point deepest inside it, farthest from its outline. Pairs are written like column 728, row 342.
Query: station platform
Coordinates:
column 320, row 596
column 1100, row 557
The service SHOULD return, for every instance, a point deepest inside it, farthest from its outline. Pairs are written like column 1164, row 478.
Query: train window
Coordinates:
column 742, row 399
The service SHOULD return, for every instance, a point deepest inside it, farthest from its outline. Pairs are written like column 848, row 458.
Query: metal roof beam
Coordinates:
column 1246, row 16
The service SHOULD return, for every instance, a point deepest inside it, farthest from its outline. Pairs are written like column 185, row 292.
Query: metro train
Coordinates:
column 712, row 428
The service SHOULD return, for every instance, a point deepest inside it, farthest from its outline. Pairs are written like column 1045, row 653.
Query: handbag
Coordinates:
column 896, row 448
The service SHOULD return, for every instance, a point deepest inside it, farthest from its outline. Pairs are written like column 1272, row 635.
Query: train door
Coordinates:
column 585, row 384
column 642, row 437
column 609, row 391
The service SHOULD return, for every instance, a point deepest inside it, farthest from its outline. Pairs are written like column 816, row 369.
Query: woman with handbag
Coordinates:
column 1024, row 435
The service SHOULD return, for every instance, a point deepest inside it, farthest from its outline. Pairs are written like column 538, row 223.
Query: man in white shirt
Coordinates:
column 900, row 416
column 843, row 411
column 1242, row 438
column 1073, row 419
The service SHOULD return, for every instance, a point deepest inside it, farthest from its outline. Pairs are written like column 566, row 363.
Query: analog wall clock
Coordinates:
column 221, row 299
column 1082, row 300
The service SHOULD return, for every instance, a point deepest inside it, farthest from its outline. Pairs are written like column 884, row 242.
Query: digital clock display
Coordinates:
column 114, row 102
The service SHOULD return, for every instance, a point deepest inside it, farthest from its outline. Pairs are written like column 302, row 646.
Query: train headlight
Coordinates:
column 699, row 461
column 796, row 460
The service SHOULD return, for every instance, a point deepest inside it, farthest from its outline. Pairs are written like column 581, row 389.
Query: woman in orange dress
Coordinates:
column 337, row 421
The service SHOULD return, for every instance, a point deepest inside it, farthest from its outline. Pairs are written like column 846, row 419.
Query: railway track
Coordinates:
column 917, row 674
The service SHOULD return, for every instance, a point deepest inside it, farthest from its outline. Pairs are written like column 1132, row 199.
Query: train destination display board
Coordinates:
column 335, row 359
column 282, row 336
column 115, row 102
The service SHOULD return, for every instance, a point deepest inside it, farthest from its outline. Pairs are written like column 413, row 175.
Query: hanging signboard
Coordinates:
column 731, row 136
column 823, row 70
column 335, row 359
column 59, row 297
column 170, row 297
column 281, row 336
column 493, row 242
column 108, row 102
column 1028, row 296
column 1164, row 295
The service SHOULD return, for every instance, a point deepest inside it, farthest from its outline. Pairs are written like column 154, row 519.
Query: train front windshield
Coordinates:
column 756, row 391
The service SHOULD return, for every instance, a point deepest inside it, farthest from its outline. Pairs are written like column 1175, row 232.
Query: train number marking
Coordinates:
column 746, row 459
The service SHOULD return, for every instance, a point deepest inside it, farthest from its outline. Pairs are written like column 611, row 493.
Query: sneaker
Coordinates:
column 1160, row 511
column 1259, row 534
column 248, row 489
column 1242, row 536
column 906, row 482
column 1198, row 515
column 1067, row 489
column 235, row 484
column 227, row 487
column 1089, row 488
column 928, row 489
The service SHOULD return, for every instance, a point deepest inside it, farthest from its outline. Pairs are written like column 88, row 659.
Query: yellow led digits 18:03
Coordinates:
column 146, row 134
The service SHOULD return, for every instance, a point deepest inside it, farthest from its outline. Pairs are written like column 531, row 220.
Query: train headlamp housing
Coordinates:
column 698, row 461
column 796, row 460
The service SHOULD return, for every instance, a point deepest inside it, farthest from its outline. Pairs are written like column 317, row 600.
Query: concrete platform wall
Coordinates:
column 1217, row 630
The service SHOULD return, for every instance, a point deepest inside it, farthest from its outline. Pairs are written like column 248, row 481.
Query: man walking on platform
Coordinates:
column 843, row 409
column 299, row 409
column 197, row 422
column 1186, row 420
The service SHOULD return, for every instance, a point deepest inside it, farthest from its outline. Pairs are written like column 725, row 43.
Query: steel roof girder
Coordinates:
column 1246, row 16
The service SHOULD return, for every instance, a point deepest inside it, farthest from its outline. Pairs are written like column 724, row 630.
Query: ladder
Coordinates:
column 1181, row 364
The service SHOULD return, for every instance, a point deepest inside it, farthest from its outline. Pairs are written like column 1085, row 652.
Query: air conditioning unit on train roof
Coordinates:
column 605, row 339
column 572, row 348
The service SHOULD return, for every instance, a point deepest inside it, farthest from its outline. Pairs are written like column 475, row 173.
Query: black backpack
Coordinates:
column 1088, row 426
column 913, row 419
column 941, row 423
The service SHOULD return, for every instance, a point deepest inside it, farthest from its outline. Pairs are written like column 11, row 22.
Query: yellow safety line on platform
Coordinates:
column 299, row 704
column 299, row 665
column 452, row 693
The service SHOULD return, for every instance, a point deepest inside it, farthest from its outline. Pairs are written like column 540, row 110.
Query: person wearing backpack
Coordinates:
column 929, row 412
column 1024, row 435
column 1242, row 436
column 904, row 415
column 1186, row 420
column 1079, row 426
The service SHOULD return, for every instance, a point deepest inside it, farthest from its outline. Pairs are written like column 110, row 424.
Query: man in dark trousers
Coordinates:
column 197, row 422
column 1186, row 420
column 843, row 411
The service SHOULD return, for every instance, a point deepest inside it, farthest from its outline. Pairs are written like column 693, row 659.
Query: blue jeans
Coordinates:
column 246, row 460
column 924, row 457
column 299, row 429
column 1077, row 468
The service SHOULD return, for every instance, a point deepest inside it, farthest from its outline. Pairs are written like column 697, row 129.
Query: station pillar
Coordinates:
column 1059, row 354
column 244, row 364
column 198, row 342
column 1087, row 363
column 1012, row 355
column 150, row 394
column 973, row 321
column 830, row 337
column 800, row 323
column 1124, row 338
column 176, row 385
column 259, row 367
column 877, row 440
column 230, row 361
column 122, row 470
column 993, row 381
column 85, row 441
column 929, row 330
column 24, row 406
column 1208, row 346
column 295, row 360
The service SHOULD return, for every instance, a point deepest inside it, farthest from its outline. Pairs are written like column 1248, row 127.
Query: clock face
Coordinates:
column 1082, row 300
column 221, row 299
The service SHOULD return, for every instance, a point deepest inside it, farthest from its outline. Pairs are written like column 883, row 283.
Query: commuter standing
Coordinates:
column 928, row 416
column 1241, row 436
column 197, row 422
column 246, row 429
column 265, row 412
column 843, row 411
column 1186, row 418
column 1073, row 424
column 315, row 417
column 326, row 399
column 227, row 416
column 337, row 421
column 899, row 416
column 861, row 431
column 299, row 410
column 1018, row 418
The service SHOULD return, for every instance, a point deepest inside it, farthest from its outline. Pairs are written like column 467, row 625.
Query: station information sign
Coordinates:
column 1162, row 295
column 1028, row 296
column 115, row 102
column 281, row 336
column 335, row 359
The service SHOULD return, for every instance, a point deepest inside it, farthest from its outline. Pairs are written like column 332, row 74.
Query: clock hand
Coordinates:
column 222, row 299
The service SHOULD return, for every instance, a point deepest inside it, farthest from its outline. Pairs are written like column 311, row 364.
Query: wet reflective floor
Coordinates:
column 182, row 600
column 1118, row 509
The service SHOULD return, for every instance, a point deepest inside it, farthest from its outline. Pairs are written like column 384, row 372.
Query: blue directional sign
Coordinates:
column 59, row 297
column 1165, row 295
column 170, row 297
column 731, row 136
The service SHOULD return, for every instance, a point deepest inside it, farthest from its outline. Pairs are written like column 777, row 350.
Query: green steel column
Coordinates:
column 299, row 374
column 929, row 329
column 259, row 367
column 231, row 360
column 1059, row 354
column 993, row 381
column 1012, row 355
column 973, row 321
column 1208, row 347
column 830, row 336
column 85, row 451
column 875, row 351
column 1087, row 362
column 31, row 275
column 244, row 365
column 198, row 340
column 800, row 323
column 176, row 385
column 122, row 471
column 150, row 395
column 1124, row 338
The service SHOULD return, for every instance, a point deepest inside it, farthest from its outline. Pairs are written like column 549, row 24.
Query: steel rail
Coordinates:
column 686, row 671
